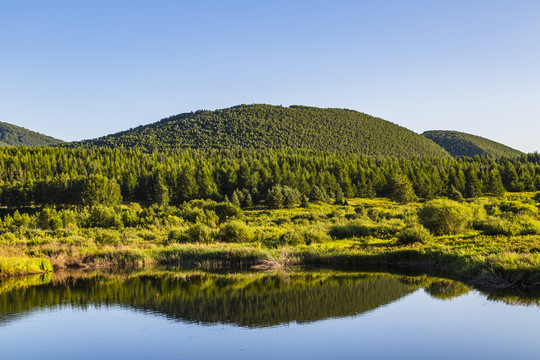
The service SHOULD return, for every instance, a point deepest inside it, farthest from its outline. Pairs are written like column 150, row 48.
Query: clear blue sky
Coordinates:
column 83, row 69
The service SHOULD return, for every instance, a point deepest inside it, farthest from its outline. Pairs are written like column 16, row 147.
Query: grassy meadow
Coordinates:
column 486, row 242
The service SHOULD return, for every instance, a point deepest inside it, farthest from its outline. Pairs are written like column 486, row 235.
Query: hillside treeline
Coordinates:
column 275, row 127
column 12, row 135
column 463, row 144
column 59, row 176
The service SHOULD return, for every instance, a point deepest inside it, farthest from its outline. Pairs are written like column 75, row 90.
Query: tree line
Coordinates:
column 57, row 176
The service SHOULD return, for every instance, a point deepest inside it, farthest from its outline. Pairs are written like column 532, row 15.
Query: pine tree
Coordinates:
column 401, row 189
column 495, row 186
column 305, row 201
column 339, row 196
column 275, row 198
column 235, row 199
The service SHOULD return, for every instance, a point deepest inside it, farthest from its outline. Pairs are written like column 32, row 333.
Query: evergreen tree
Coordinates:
column 401, row 189
column 454, row 194
column 305, row 201
column 291, row 196
column 235, row 199
column 473, row 186
column 316, row 194
column 247, row 200
column 275, row 198
column 495, row 186
column 339, row 196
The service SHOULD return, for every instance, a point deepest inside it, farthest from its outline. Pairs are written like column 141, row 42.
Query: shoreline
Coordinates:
column 480, row 275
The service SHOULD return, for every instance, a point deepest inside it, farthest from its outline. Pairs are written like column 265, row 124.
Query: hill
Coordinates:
column 12, row 135
column 463, row 144
column 276, row 127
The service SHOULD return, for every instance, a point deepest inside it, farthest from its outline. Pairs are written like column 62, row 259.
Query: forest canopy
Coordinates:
column 100, row 175
column 463, row 144
column 275, row 127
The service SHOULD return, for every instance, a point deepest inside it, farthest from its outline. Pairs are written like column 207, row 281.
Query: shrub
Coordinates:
column 414, row 234
column 193, row 215
column 176, row 235
column 199, row 233
column 226, row 211
column 529, row 226
column 510, row 226
column 445, row 217
column 107, row 237
column 312, row 236
column 352, row 229
column 235, row 231
column 105, row 217
column 147, row 235
column 454, row 194
column 518, row 208
column 130, row 218
column 387, row 227
column 291, row 238
column 307, row 237
column 360, row 210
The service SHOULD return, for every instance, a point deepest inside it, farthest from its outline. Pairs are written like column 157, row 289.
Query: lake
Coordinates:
column 163, row 314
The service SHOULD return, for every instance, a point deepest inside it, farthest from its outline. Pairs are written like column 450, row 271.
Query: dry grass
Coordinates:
column 283, row 260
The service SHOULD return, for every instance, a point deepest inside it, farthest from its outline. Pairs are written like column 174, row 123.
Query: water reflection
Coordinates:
column 243, row 299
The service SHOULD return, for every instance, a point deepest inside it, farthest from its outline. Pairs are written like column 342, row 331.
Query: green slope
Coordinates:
column 463, row 144
column 12, row 135
column 277, row 127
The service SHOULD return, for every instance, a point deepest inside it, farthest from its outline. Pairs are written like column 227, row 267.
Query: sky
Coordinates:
column 83, row 69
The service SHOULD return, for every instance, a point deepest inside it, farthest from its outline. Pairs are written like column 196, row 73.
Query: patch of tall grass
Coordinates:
column 10, row 266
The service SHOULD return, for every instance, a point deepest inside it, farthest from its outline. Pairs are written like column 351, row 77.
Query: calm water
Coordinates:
column 165, row 315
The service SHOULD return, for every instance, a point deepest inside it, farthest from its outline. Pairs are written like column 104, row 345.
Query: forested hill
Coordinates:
column 463, row 144
column 276, row 127
column 12, row 135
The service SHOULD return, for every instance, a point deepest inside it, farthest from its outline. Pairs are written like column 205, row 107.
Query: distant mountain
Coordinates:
column 463, row 144
column 276, row 127
column 12, row 135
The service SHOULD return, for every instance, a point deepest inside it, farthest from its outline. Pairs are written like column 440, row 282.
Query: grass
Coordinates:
column 13, row 266
column 367, row 233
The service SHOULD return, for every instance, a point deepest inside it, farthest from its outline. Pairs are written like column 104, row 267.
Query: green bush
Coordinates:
column 130, row 218
column 518, row 208
column 414, row 234
column 176, row 235
column 307, row 237
column 515, row 225
column 200, row 233
column 227, row 211
column 104, row 217
column 235, row 231
column 291, row 238
column 147, row 235
column 193, row 215
column 107, row 237
column 352, row 229
column 445, row 217
column 312, row 236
